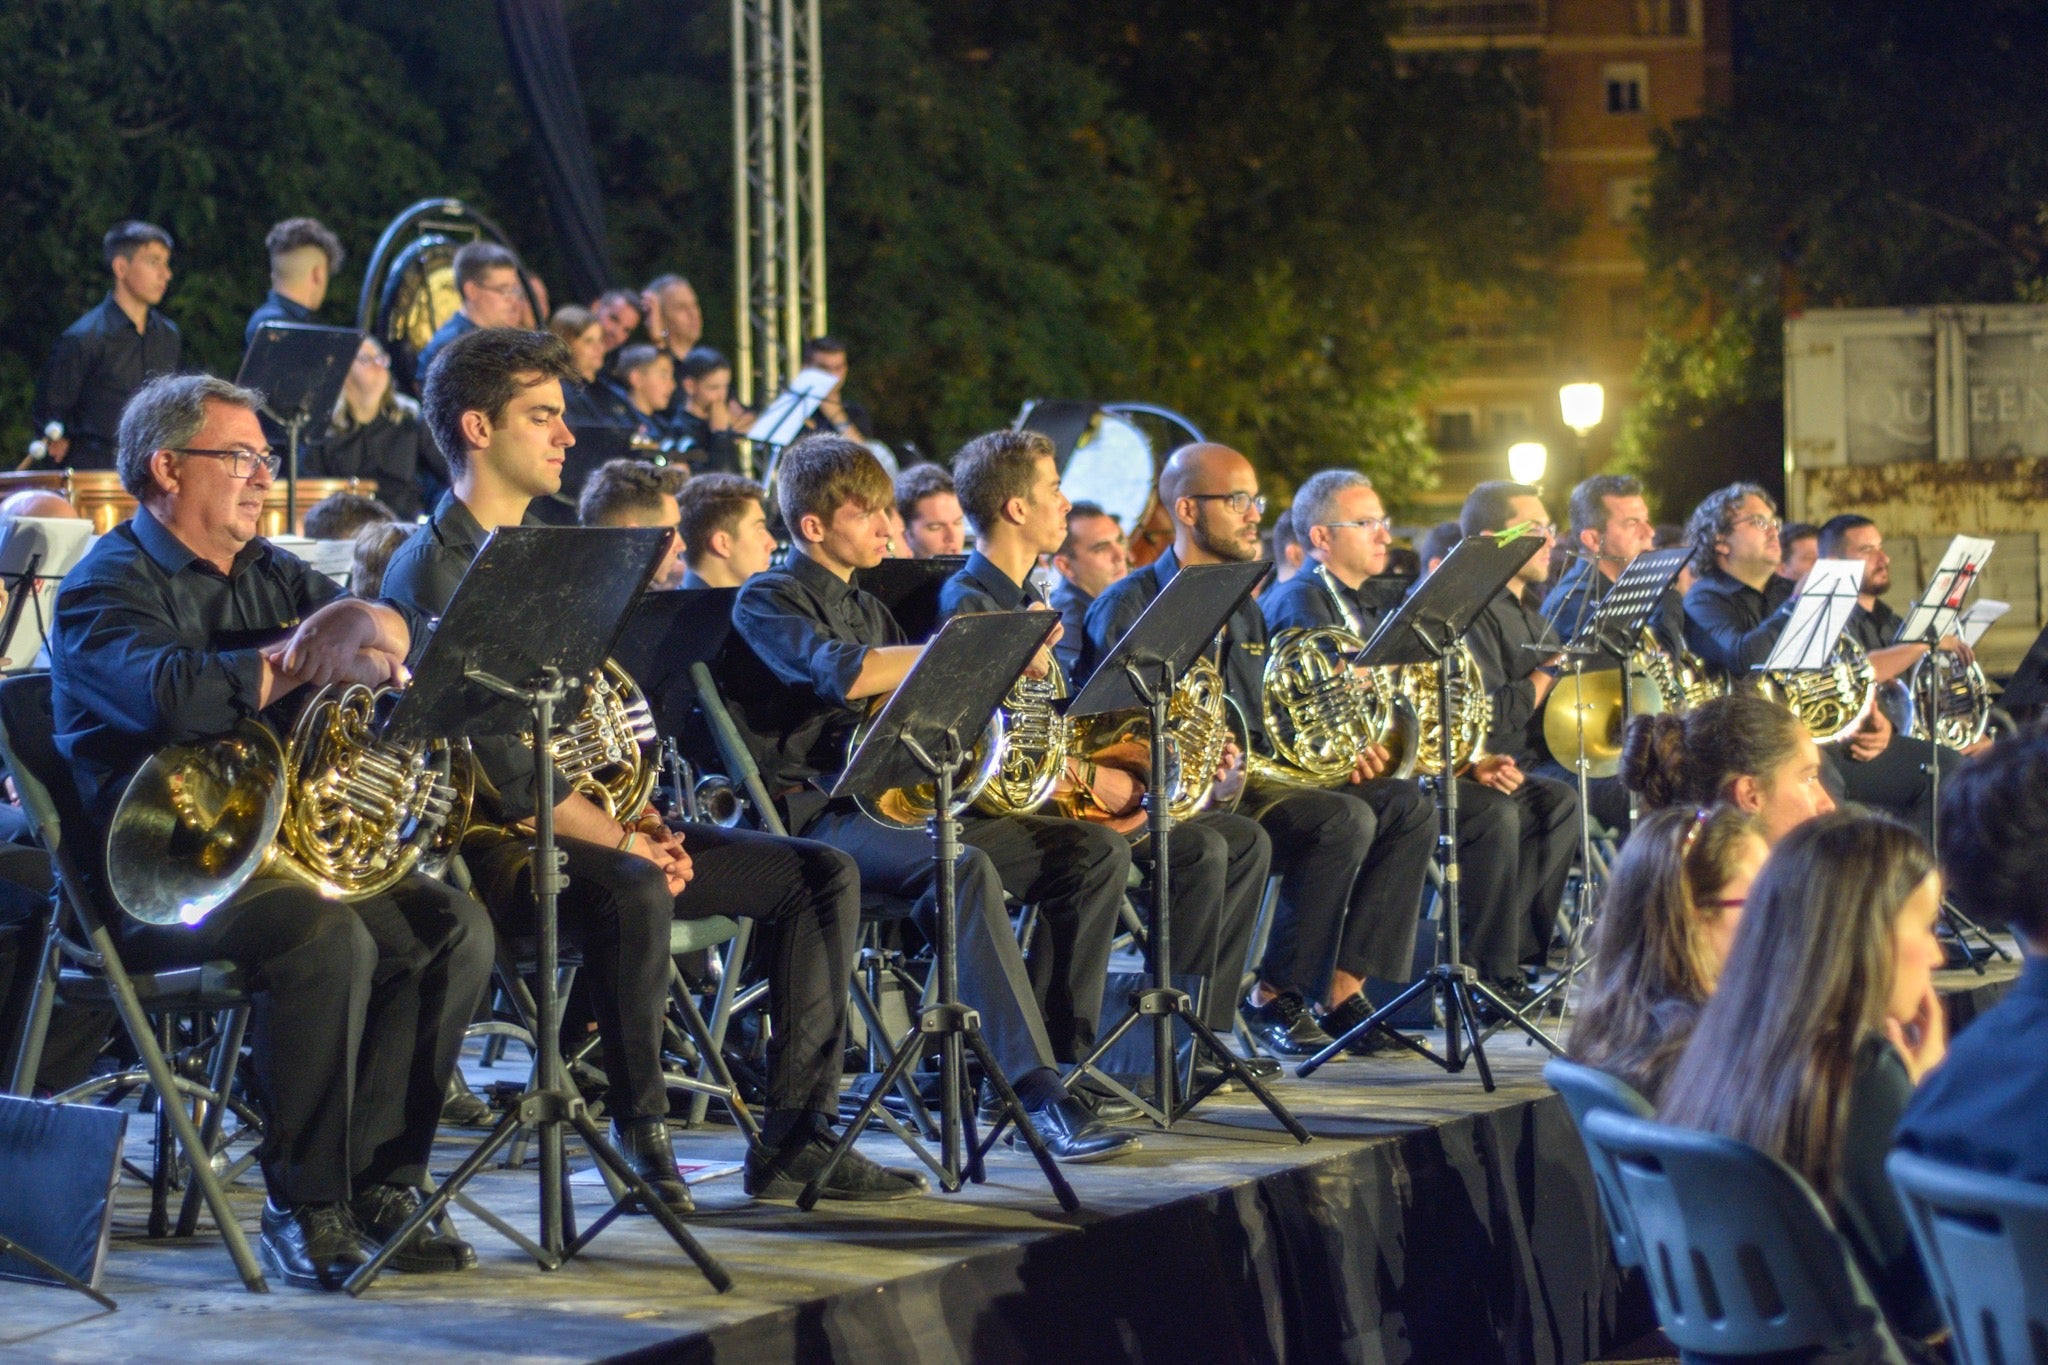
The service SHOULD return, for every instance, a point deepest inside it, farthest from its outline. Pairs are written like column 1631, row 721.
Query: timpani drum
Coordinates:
column 100, row 499
column 310, row 492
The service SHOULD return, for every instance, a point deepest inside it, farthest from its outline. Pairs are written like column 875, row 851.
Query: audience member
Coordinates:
column 1986, row 1107
column 648, row 380
column 724, row 529
column 1667, row 921
column 375, row 433
column 104, row 357
column 675, row 320
column 338, row 516
column 303, row 258
column 583, row 333
column 933, row 523
column 1824, row 1019
column 1751, row 753
column 635, row 493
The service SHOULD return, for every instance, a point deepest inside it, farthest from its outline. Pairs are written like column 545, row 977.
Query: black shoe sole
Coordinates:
column 784, row 1189
column 416, row 1263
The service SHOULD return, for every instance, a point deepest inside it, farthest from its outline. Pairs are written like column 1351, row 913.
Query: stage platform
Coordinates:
column 1428, row 1221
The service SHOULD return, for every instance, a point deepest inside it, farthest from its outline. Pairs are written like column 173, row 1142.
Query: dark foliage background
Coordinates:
column 1248, row 211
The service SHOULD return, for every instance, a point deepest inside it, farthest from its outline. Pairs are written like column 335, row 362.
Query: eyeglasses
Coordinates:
column 1237, row 502
column 1365, row 524
column 376, row 358
column 506, row 291
column 1546, row 529
column 1763, row 522
column 241, row 463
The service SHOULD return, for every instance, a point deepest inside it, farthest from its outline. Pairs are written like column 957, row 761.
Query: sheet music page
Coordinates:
column 1826, row 601
column 1960, row 568
column 780, row 421
column 1980, row 617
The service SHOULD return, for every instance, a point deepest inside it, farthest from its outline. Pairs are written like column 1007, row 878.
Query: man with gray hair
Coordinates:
column 178, row 626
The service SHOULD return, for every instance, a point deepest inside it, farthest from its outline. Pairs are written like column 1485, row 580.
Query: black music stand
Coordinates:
column 299, row 369
column 964, row 674
column 910, row 589
column 1142, row 671
column 534, row 617
column 1426, row 629
column 781, row 424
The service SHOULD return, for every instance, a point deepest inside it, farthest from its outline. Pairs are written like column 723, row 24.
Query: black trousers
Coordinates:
column 1219, row 863
column 1320, row 840
column 1073, row 871
column 358, row 1014
column 1899, row 780
column 1606, row 797
column 804, row 896
column 1550, row 839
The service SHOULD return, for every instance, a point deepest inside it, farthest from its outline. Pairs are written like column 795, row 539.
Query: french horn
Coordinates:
column 1831, row 702
column 1962, row 700
column 1472, row 712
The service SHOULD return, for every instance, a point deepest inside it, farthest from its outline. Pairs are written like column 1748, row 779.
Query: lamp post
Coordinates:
column 1527, row 460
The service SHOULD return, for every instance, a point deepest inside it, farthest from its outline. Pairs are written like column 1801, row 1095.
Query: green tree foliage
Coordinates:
column 1253, row 212
column 211, row 118
column 1875, row 152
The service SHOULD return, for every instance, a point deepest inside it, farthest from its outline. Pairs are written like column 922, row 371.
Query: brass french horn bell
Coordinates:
column 197, row 821
column 1594, row 702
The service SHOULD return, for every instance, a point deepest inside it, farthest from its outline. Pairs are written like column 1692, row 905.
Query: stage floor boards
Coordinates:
column 1422, row 1162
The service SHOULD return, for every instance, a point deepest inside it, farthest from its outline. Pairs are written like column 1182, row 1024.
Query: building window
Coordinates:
column 1627, row 196
column 1507, row 424
column 1625, row 311
column 1455, row 428
column 1663, row 18
column 1628, row 87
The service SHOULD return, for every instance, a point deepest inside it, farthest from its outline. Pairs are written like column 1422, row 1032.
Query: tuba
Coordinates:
column 1473, row 709
column 1831, row 702
column 334, row 807
column 1962, row 701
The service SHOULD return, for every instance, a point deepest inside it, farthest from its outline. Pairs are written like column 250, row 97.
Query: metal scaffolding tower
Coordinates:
column 778, row 143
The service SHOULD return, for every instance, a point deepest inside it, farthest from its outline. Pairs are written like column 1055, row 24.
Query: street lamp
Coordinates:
column 1527, row 460
column 1582, row 404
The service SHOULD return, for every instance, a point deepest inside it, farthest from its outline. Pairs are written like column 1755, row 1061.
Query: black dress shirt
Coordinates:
column 813, row 631
column 1986, row 1106
column 710, row 452
column 153, row 646
column 1875, row 628
column 1310, row 600
column 422, row 576
column 95, row 368
column 1072, row 604
column 447, row 332
column 1732, row 626
column 389, row 448
column 1578, row 595
column 1240, row 653
column 1499, row 640
column 981, row 586
column 276, row 308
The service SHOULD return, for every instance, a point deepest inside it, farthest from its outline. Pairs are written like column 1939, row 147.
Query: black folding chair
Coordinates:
column 96, row 970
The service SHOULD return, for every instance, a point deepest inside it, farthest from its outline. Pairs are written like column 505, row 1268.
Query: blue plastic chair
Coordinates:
column 1586, row 1090
column 1741, row 1257
column 1984, row 1241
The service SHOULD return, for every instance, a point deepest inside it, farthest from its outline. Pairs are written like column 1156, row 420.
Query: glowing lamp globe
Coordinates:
column 1527, row 460
column 1582, row 405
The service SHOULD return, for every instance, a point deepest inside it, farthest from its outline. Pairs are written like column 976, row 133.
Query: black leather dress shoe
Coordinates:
column 1074, row 1135
column 311, row 1246
column 1285, row 1025
column 782, row 1174
column 382, row 1210
column 462, row 1107
column 1348, row 1015
column 645, row 1145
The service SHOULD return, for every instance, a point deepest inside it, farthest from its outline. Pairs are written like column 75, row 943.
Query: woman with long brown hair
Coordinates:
column 1666, row 924
column 1824, row 1019
column 1741, row 749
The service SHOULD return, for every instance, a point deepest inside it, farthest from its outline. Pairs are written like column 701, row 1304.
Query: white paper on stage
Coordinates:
column 1979, row 617
column 1827, row 598
column 1934, row 615
column 782, row 420
column 59, row 542
column 335, row 558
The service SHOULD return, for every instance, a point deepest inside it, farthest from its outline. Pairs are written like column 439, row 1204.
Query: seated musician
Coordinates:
column 303, row 258
column 1508, row 641
column 375, row 434
column 1346, row 531
column 1733, row 617
column 1340, row 859
column 1092, row 557
column 933, row 523
column 724, row 527
column 837, row 648
column 177, row 626
column 1611, row 526
column 1798, row 548
column 487, row 279
column 1009, row 484
column 703, row 412
column 338, row 516
column 105, row 356
column 494, row 401
column 635, row 493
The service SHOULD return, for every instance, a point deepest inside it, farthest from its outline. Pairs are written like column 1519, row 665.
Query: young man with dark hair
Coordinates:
column 1510, row 641
column 359, row 1007
column 1733, row 617
column 1986, row 1107
column 1798, row 548
column 494, row 398
column 1437, row 542
column 703, row 412
column 303, row 258
column 837, row 650
column 724, row 527
column 1009, row 483
column 1287, row 549
column 1341, row 860
column 1092, row 557
column 1346, row 531
column 488, row 282
column 836, row 416
column 105, row 356
column 647, row 381
column 635, row 493
column 933, row 523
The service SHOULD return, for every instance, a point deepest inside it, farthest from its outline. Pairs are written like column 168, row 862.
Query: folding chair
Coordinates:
column 43, row 781
column 1984, row 1241
column 1588, row 1090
